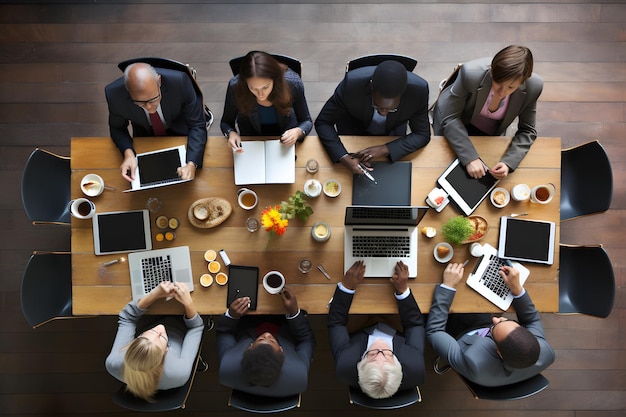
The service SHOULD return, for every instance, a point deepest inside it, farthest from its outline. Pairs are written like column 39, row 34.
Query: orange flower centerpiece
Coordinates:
column 276, row 219
column 273, row 222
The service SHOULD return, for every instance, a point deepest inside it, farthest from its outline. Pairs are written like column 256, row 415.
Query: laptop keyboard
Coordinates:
column 491, row 277
column 156, row 270
column 149, row 184
column 381, row 246
column 382, row 213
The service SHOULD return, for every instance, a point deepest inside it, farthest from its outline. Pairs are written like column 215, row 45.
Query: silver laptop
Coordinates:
column 159, row 168
column 486, row 279
column 149, row 268
column 381, row 236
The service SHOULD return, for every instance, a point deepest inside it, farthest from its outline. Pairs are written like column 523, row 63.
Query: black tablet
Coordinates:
column 243, row 281
column 466, row 192
column 527, row 240
column 121, row 231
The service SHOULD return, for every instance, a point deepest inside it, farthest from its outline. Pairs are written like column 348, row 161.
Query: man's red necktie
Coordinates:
column 157, row 125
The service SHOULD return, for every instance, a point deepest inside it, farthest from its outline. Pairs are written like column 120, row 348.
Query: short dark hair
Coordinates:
column 262, row 365
column 389, row 79
column 511, row 63
column 520, row 348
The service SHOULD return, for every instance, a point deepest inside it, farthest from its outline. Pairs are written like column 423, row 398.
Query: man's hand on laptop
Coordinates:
column 510, row 276
column 187, row 172
column 453, row 274
column 129, row 165
column 400, row 277
column 354, row 276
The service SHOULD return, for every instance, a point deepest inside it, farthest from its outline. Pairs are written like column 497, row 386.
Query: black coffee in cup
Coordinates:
column 274, row 281
column 84, row 208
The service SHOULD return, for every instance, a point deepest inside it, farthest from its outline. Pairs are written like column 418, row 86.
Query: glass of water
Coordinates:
column 252, row 224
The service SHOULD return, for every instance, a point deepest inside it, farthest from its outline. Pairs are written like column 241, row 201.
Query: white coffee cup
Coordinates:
column 92, row 185
column 521, row 192
column 274, row 282
column 543, row 193
column 477, row 250
column 247, row 198
column 81, row 208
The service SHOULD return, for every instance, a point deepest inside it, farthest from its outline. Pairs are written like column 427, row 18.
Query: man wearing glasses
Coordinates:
column 378, row 359
column 495, row 351
column 376, row 101
column 156, row 103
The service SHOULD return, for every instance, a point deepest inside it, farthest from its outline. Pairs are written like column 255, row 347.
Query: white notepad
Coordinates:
column 265, row 162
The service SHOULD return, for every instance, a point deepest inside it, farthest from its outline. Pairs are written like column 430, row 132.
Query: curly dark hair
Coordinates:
column 263, row 65
column 520, row 348
column 262, row 365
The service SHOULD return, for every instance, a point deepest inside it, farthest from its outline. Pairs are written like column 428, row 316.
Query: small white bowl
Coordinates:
column 320, row 231
column 500, row 197
column 92, row 185
column 445, row 258
column 331, row 190
column 312, row 188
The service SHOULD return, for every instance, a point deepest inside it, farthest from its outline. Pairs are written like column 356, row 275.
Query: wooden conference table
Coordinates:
column 98, row 290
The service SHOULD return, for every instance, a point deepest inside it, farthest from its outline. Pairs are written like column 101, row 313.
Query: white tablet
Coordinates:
column 466, row 192
column 121, row 231
column 527, row 240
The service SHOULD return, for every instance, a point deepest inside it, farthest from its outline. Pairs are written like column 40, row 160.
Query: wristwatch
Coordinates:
column 228, row 132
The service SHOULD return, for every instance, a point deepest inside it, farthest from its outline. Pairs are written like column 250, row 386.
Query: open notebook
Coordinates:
column 265, row 162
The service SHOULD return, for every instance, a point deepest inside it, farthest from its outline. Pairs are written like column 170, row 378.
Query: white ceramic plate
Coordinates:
column 447, row 257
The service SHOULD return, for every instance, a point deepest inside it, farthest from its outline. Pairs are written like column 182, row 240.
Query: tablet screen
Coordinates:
column 466, row 192
column 243, row 281
column 527, row 240
column 123, row 231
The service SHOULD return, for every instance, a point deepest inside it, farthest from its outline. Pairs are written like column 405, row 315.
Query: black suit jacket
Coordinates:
column 347, row 349
column 350, row 110
column 295, row 336
column 181, row 106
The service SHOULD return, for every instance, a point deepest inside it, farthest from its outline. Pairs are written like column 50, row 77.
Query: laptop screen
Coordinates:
column 392, row 187
column 158, row 166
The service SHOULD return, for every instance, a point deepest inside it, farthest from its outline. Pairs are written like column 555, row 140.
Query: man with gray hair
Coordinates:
column 156, row 102
column 378, row 359
column 375, row 101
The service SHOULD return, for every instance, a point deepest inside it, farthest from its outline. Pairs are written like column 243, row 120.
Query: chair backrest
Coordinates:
column 46, row 290
column 373, row 60
column 586, row 281
column 517, row 391
column 402, row 398
column 176, row 66
column 164, row 400
column 588, row 190
column 262, row 405
column 294, row 64
column 46, row 187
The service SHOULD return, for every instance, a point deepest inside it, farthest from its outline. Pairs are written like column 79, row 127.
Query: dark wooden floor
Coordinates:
column 55, row 60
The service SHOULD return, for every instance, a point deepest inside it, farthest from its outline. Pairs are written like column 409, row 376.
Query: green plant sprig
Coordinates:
column 296, row 206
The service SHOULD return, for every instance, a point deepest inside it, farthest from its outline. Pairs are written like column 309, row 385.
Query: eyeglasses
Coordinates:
column 383, row 109
column 150, row 101
column 371, row 354
column 161, row 336
column 494, row 326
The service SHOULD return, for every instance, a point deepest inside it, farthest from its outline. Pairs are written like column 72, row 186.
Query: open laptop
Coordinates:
column 149, row 268
column 381, row 236
column 486, row 279
column 159, row 168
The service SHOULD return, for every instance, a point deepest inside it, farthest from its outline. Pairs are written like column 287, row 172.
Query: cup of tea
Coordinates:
column 542, row 194
column 247, row 198
column 273, row 282
column 81, row 208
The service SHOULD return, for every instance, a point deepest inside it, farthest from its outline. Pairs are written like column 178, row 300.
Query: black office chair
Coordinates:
column 176, row 66
column 373, row 60
column 402, row 398
column 586, row 281
column 46, row 188
column 294, row 64
column 517, row 391
column 261, row 404
column 164, row 400
column 46, row 290
column 586, row 180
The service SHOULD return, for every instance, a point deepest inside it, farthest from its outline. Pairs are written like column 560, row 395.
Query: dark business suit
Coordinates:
column 459, row 103
column 182, row 109
column 250, row 125
column 350, row 110
column 348, row 349
column 475, row 357
column 295, row 336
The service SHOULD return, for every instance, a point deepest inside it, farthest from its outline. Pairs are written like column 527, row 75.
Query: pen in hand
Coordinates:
column 366, row 173
column 234, row 296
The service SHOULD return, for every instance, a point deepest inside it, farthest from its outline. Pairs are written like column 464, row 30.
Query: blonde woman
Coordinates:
column 157, row 353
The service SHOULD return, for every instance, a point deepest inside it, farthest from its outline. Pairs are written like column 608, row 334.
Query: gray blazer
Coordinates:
column 459, row 103
column 475, row 357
